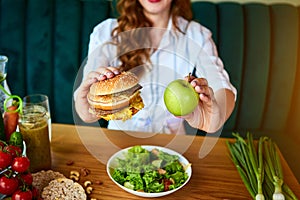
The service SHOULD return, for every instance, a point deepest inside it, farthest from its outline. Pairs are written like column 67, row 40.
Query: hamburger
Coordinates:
column 117, row 98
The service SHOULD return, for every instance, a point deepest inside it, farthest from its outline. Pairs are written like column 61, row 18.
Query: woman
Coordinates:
column 160, row 36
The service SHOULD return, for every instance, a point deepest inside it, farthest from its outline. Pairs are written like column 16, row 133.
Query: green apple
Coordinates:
column 180, row 97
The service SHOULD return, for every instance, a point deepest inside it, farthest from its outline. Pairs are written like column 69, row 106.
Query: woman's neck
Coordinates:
column 159, row 21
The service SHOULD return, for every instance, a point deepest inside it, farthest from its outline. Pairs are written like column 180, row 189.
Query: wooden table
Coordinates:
column 214, row 176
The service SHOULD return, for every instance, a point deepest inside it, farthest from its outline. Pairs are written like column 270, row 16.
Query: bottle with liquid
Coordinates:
column 5, row 91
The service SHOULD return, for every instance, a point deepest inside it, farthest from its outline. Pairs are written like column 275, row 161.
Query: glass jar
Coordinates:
column 33, row 125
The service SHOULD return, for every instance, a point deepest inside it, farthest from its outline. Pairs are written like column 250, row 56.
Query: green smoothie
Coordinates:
column 34, row 127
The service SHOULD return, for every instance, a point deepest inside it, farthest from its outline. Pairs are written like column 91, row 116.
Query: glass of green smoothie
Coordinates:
column 35, row 126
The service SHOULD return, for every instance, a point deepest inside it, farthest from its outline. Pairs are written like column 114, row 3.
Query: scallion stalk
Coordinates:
column 259, row 168
column 249, row 164
column 268, row 186
column 274, row 169
column 237, row 159
column 288, row 192
column 249, row 169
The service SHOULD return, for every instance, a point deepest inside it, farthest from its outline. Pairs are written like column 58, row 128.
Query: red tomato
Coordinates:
column 20, row 164
column 8, row 185
column 22, row 195
column 167, row 183
column 26, row 178
column 14, row 151
column 5, row 159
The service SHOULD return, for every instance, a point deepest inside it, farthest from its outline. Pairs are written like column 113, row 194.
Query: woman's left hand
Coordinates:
column 207, row 115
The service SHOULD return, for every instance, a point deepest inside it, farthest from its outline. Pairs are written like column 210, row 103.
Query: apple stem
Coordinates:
column 189, row 77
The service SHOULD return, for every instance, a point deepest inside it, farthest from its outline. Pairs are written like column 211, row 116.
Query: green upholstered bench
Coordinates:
column 46, row 42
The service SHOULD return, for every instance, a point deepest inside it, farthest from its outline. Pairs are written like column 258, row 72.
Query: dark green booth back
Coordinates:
column 46, row 42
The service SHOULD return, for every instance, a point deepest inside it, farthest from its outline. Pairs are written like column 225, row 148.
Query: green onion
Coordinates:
column 288, row 192
column 259, row 167
column 249, row 164
column 237, row 158
column 274, row 170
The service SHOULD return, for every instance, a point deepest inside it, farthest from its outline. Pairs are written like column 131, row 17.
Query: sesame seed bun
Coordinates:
column 117, row 98
column 119, row 83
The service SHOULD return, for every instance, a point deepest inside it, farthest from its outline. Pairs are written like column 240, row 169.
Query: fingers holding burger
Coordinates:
column 103, row 73
column 115, row 98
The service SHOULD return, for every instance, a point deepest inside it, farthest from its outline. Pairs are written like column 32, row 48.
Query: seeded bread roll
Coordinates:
column 116, row 98
column 119, row 83
column 63, row 188
column 42, row 178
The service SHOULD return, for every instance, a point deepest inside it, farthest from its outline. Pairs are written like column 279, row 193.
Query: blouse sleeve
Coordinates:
column 208, row 63
column 99, row 48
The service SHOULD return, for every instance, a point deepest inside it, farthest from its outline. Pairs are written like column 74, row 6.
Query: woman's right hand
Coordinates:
column 81, row 102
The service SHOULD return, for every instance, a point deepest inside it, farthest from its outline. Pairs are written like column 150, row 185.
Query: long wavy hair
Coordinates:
column 128, row 37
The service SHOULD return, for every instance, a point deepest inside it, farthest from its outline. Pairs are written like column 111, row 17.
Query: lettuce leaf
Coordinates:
column 152, row 172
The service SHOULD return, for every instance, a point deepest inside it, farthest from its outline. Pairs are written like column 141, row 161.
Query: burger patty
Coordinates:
column 116, row 96
column 100, row 112
column 104, row 112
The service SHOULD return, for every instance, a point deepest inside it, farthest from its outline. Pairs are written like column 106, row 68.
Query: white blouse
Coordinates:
column 175, row 56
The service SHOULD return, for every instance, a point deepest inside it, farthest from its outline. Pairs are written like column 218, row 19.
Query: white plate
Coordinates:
column 112, row 163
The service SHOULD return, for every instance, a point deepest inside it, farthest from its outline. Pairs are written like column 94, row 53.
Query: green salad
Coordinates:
column 149, row 171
